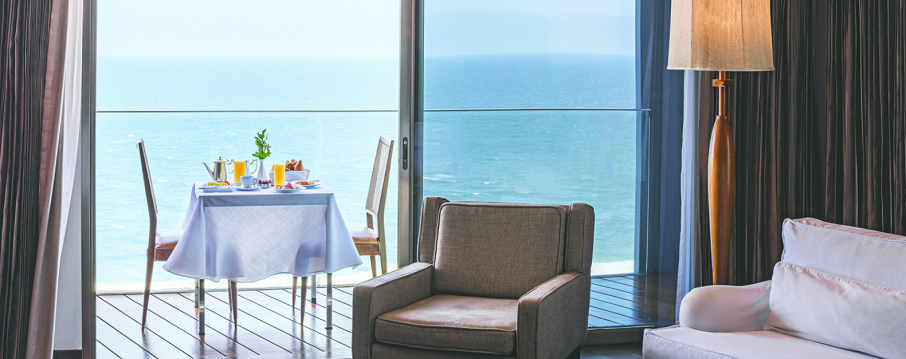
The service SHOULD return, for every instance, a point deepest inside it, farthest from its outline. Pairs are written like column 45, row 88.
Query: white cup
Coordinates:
column 248, row 181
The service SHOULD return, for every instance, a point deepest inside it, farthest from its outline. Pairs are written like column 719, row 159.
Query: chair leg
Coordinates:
column 576, row 354
column 384, row 263
column 234, row 297
column 149, row 267
column 295, row 280
column 373, row 268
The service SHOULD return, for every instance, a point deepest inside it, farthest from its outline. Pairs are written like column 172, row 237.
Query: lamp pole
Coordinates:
column 721, row 184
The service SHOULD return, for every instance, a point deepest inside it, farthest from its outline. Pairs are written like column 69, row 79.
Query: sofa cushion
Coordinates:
column 497, row 250
column 855, row 253
column 451, row 322
column 684, row 343
column 825, row 308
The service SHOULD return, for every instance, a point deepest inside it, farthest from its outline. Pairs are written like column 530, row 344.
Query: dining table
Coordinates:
column 247, row 235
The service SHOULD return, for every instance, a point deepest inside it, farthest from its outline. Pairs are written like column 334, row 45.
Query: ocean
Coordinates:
column 514, row 156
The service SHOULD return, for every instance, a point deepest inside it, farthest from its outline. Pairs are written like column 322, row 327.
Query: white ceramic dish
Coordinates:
column 294, row 190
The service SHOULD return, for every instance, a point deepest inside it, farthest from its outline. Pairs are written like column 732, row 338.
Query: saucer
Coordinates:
column 240, row 188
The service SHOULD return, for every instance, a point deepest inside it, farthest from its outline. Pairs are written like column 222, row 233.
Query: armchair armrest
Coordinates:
column 553, row 317
column 383, row 294
column 722, row 308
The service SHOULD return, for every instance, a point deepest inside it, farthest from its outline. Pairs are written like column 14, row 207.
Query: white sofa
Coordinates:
column 838, row 292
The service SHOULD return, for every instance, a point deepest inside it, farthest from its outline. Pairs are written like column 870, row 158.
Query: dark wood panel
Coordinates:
column 644, row 282
column 149, row 340
column 117, row 342
column 315, row 317
column 613, row 317
column 628, row 304
column 102, row 352
column 337, row 336
column 184, row 340
column 595, row 322
column 218, row 325
column 626, row 312
column 275, row 329
column 619, row 297
column 342, row 317
column 187, row 322
column 625, row 288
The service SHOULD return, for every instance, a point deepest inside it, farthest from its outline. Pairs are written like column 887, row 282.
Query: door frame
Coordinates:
column 87, row 173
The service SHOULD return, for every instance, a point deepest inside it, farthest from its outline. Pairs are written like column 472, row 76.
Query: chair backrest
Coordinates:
column 149, row 185
column 380, row 177
column 503, row 250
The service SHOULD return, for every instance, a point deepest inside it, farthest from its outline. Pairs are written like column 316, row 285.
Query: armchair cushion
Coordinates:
column 451, row 322
column 384, row 294
column 497, row 250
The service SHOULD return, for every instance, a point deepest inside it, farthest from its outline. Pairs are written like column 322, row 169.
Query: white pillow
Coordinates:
column 837, row 311
column 850, row 252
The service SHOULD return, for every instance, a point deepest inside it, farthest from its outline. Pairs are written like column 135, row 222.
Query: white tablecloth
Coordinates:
column 247, row 236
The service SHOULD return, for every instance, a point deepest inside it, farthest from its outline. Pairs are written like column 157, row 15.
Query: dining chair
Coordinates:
column 161, row 244
column 369, row 241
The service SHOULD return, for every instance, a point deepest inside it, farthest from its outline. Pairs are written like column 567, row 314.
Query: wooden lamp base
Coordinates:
column 721, row 186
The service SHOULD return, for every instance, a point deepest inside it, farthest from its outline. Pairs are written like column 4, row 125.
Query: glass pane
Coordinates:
column 537, row 55
column 232, row 55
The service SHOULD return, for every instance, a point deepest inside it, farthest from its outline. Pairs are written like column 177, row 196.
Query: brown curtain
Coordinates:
column 866, row 114
column 824, row 135
column 772, row 117
column 24, row 28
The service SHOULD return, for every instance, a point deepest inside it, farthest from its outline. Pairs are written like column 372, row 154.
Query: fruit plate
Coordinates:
column 294, row 190
column 310, row 186
column 216, row 188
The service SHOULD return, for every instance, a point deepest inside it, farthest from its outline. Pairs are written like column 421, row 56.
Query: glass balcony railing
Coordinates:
column 337, row 146
column 539, row 156
column 556, row 156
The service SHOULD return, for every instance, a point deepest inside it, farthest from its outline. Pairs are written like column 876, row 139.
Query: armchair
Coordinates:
column 493, row 280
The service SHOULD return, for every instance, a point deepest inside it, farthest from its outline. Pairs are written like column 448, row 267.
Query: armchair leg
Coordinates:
column 576, row 354
column 373, row 268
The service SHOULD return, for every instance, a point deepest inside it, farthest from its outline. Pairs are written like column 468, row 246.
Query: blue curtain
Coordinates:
column 661, row 91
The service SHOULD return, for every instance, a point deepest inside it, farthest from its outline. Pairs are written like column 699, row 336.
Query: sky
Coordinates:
column 362, row 28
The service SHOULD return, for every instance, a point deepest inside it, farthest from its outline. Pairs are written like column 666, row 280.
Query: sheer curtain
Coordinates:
column 59, row 150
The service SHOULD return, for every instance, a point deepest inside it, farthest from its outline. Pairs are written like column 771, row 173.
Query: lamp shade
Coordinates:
column 721, row 35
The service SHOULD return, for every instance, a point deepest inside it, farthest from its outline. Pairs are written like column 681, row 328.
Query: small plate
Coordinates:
column 294, row 190
column 310, row 186
column 240, row 188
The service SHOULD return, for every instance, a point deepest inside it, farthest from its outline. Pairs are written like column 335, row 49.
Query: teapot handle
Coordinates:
column 254, row 171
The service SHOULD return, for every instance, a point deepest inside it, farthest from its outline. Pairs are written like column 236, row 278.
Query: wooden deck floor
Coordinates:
column 267, row 326
column 632, row 300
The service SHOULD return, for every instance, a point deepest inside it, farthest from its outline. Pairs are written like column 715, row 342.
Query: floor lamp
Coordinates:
column 721, row 35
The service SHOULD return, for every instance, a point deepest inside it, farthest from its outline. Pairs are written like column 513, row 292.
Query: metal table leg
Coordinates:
column 314, row 290
column 329, row 301
column 200, row 295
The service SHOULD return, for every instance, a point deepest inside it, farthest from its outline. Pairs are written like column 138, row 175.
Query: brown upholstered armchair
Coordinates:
column 493, row 280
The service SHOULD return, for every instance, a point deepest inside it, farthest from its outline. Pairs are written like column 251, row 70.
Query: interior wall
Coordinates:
column 68, row 320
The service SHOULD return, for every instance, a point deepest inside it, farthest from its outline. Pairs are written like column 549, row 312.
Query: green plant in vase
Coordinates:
column 264, row 150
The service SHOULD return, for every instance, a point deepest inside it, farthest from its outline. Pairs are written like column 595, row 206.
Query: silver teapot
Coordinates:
column 220, row 172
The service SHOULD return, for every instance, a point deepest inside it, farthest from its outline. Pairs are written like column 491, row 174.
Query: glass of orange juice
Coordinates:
column 279, row 175
column 238, row 171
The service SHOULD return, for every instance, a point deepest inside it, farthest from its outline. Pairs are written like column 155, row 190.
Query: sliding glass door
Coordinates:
column 535, row 102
